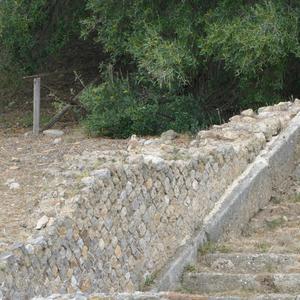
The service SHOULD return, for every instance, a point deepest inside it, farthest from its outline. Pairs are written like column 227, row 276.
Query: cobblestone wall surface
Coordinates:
column 132, row 211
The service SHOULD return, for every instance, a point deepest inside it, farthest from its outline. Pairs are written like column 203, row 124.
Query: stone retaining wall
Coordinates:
column 127, row 220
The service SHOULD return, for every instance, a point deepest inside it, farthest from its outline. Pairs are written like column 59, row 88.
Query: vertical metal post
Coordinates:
column 36, row 105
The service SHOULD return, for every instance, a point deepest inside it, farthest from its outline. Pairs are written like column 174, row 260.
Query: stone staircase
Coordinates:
column 262, row 263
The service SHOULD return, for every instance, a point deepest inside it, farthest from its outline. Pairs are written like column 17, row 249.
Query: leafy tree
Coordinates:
column 186, row 63
column 30, row 31
column 219, row 55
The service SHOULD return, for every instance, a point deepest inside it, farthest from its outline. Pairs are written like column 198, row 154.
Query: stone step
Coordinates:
column 274, row 297
column 181, row 296
column 211, row 282
column 282, row 209
column 271, row 219
column 249, row 263
column 279, row 240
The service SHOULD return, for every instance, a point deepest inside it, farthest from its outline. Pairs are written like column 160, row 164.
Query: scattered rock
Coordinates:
column 133, row 143
column 118, row 251
column 222, row 264
column 53, row 133
column 149, row 183
column 51, row 221
column 194, row 143
column 297, row 101
column 248, row 113
column 15, row 159
column 42, row 222
column 156, row 161
column 29, row 248
column 169, row 135
column 101, row 244
column 57, row 141
column 14, row 168
column 12, row 184
column 27, row 134
column 151, row 142
column 101, row 174
column 88, row 181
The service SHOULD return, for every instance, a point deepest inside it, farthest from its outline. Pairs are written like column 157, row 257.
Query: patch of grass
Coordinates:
column 213, row 247
column 183, row 290
column 190, row 269
column 149, row 280
column 246, row 231
column 223, row 248
column 26, row 120
column 72, row 193
column 296, row 198
column 275, row 200
column 207, row 248
column 262, row 247
column 84, row 173
column 22, row 119
column 273, row 224
column 2, row 267
column 270, row 268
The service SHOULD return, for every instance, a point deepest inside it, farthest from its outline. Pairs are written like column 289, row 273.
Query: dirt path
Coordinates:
column 25, row 163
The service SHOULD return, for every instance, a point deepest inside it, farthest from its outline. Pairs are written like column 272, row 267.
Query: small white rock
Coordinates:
column 29, row 248
column 194, row 143
column 9, row 181
column 101, row 244
column 248, row 113
column 102, row 173
column 169, row 135
column 14, row 186
column 51, row 222
column 57, row 141
column 27, row 134
column 42, row 222
column 53, row 133
column 133, row 143
column 156, row 161
column 88, row 181
column 15, row 159
column 74, row 282
column 14, row 168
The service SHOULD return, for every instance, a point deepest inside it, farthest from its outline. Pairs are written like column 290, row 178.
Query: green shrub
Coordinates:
column 113, row 110
column 199, row 56
column 255, row 42
column 117, row 108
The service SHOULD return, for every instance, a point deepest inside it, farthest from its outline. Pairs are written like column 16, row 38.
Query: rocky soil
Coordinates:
column 33, row 182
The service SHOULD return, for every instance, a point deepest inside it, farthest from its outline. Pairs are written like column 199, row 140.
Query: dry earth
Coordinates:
column 28, row 161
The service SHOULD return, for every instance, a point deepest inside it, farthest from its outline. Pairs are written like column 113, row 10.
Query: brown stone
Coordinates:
column 118, row 251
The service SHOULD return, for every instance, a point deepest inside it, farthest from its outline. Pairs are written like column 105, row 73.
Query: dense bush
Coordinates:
column 118, row 108
column 203, row 56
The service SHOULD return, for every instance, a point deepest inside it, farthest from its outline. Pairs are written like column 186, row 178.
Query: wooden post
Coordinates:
column 36, row 105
